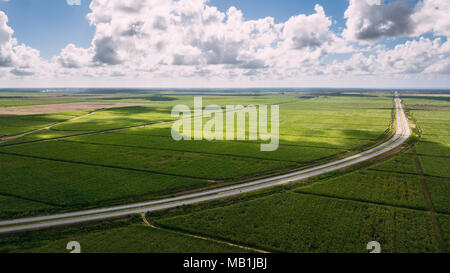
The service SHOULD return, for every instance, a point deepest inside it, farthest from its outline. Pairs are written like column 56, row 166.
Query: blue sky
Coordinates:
column 145, row 43
column 49, row 25
column 36, row 22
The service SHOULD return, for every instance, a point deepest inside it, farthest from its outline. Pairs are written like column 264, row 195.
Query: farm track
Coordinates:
column 403, row 133
column 9, row 138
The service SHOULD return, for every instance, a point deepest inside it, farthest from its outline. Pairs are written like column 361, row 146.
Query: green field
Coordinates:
column 125, row 236
column 292, row 222
column 14, row 125
column 376, row 187
column 91, row 164
column 127, row 155
column 68, row 186
column 444, row 221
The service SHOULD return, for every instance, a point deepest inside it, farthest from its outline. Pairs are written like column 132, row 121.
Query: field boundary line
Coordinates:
column 175, row 150
column 401, row 136
column 30, row 200
column 106, row 166
column 106, row 130
column 359, row 200
column 367, row 141
column 393, row 172
column 202, row 237
column 429, row 202
column 48, row 127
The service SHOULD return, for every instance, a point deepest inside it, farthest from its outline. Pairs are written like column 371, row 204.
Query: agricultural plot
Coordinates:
column 42, row 135
column 373, row 186
column 431, row 146
column 436, row 166
column 10, row 102
column 183, row 164
column 118, row 118
column 292, row 222
column 433, row 117
column 13, row 205
column 294, row 153
column 426, row 101
column 15, row 125
column 402, row 163
column 444, row 221
column 125, row 236
column 70, row 186
column 439, row 189
column 145, row 162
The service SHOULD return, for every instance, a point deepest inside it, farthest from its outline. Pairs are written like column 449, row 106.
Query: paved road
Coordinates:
column 402, row 135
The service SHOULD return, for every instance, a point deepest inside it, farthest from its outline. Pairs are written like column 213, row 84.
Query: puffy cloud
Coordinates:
column 156, row 40
column 432, row 16
column 191, row 33
column 308, row 31
column 19, row 59
column 413, row 57
column 6, row 42
column 73, row 57
column 366, row 22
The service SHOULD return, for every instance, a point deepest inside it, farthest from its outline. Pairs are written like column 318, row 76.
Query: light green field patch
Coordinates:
column 15, row 125
column 433, row 149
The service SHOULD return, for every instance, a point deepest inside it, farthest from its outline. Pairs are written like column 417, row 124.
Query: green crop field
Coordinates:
column 127, row 155
column 439, row 189
column 150, row 163
column 377, row 187
column 67, row 185
column 444, row 221
column 292, row 222
column 125, row 236
column 14, row 125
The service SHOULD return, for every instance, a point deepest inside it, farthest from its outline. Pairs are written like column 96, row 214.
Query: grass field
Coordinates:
column 91, row 165
column 123, row 236
column 292, row 222
column 68, row 186
column 434, row 148
column 126, row 155
column 14, row 125
column 376, row 187
column 444, row 221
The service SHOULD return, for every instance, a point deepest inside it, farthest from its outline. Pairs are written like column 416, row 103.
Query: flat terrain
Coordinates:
column 130, row 154
column 125, row 155
column 123, row 236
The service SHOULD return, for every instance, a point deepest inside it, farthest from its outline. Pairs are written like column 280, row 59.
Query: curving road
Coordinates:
column 403, row 133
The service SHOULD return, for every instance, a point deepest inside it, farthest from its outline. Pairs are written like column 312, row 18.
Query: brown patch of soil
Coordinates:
column 62, row 108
